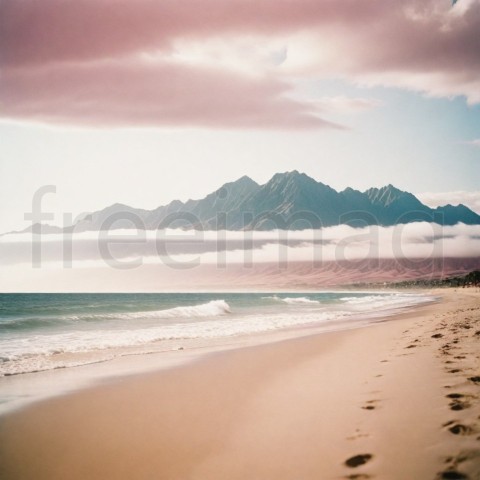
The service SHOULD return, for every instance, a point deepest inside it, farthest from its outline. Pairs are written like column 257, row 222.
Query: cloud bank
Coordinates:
column 232, row 64
column 177, row 260
column 130, row 248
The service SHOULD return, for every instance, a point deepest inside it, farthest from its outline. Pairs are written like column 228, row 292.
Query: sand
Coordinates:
column 396, row 400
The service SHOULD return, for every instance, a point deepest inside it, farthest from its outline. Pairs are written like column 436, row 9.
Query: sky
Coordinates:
column 142, row 102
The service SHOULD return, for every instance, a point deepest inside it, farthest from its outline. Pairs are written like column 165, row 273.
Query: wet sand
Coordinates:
column 396, row 400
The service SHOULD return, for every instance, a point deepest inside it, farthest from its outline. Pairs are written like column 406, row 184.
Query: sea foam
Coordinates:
column 293, row 300
column 213, row 308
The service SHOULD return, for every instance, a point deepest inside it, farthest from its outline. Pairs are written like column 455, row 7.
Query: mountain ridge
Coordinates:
column 289, row 200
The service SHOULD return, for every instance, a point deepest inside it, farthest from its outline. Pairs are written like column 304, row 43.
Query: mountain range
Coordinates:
column 290, row 200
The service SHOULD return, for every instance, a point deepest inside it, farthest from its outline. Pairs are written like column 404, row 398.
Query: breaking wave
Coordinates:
column 293, row 300
column 213, row 308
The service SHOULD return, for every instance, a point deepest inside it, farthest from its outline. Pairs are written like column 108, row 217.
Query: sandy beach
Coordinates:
column 396, row 400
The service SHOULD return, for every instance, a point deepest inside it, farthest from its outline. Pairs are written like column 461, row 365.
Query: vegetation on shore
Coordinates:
column 471, row 279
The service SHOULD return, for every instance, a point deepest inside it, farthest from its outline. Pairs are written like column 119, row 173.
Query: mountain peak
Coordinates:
column 287, row 183
column 386, row 188
column 243, row 185
column 386, row 195
column 292, row 176
column 245, row 180
column 118, row 207
column 391, row 188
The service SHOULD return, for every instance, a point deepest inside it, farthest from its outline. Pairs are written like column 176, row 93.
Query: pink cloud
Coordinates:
column 81, row 61
column 165, row 94
column 59, row 30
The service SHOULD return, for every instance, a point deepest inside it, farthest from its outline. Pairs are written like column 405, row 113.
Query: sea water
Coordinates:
column 41, row 332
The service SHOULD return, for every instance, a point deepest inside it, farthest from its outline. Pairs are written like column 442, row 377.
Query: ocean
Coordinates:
column 41, row 332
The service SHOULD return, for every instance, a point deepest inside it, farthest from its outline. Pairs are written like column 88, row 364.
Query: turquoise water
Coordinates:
column 46, row 331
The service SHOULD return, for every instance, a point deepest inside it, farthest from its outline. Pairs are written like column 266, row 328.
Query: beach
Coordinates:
column 397, row 399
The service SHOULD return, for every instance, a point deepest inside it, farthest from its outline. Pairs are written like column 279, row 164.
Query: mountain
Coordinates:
column 218, row 210
column 290, row 200
column 391, row 206
column 116, row 216
column 38, row 228
column 450, row 215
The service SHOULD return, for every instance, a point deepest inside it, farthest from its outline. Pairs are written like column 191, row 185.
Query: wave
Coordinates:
column 293, row 300
column 299, row 300
column 382, row 302
column 213, row 308
column 45, row 352
column 28, row 323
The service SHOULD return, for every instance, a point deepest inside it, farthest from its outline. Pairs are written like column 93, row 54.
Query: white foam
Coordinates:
column 384, row 302
column 293, row 300
column 299, row 300
column 38, row 352
column 211, row 309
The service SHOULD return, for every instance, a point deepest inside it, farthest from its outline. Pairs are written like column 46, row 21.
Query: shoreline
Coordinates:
column 19, row 390
column 303, row 407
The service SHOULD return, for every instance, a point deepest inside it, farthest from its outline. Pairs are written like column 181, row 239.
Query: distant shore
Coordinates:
column 395, row 400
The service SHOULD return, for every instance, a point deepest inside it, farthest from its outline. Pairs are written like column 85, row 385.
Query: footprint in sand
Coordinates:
column 445, row 348
column 466, row 458
column 455, row 395
column 452, row 475
column 459, row 401
column 358, row 460
column 371, row 405
column 458, row 428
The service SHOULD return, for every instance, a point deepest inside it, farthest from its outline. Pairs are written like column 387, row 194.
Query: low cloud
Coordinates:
column 174, row 247
column 178, row 260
